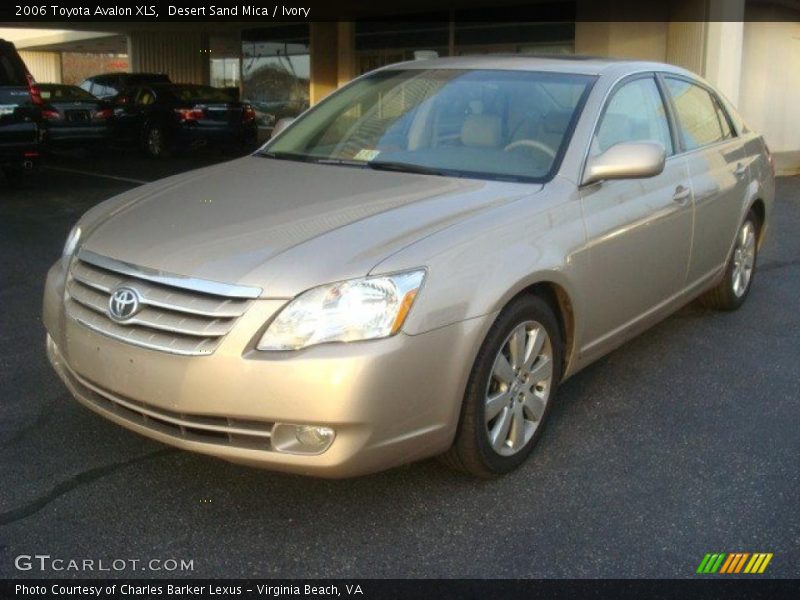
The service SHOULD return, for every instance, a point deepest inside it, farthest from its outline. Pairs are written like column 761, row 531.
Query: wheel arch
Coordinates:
column 560, row 300
column 760, row 210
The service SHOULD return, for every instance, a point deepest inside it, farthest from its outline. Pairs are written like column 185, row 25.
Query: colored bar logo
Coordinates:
column 734, row 562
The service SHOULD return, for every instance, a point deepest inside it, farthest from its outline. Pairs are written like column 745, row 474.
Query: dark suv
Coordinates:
column 109, row 85
column 20, row 115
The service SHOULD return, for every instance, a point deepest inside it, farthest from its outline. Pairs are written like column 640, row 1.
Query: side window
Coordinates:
column 697, row 114
column 635, row 113
column 145, row 97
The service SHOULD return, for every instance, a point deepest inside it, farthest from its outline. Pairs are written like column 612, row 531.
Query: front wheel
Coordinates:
column 730, row 293
column 510, row 389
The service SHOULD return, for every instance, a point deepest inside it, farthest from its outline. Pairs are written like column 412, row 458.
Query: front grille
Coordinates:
column 172, row 319
column 238, row 433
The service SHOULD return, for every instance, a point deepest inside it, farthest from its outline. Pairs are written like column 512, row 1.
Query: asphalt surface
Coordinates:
column 684, row 441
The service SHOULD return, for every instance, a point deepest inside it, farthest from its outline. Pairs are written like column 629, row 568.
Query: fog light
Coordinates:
column 301, row 439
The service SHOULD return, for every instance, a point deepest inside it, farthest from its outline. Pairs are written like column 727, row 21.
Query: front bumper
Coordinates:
column 390, row 401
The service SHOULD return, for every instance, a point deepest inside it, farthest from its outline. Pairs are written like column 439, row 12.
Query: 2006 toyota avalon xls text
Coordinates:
column 413, row 266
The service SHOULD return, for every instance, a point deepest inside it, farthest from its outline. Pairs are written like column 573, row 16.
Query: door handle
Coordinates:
column 740, row 170
column 681, row 194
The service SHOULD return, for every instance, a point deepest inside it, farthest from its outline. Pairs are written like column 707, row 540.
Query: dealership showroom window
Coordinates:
column 448, row 298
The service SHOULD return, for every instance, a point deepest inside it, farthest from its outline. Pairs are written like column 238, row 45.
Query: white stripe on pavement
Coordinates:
column 93, row 174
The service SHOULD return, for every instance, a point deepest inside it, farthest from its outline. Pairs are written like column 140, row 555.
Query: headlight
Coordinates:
column 72, row 241
column 359, row 309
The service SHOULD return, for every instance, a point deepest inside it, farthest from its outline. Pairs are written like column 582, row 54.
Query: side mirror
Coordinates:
column 628, row 160
column 281, row 125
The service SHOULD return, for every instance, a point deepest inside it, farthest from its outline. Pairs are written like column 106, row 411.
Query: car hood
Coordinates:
column 284, row 226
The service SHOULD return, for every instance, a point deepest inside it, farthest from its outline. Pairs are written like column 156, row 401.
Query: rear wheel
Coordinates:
column 730, row 293
column 155, row 142
column 509, row 393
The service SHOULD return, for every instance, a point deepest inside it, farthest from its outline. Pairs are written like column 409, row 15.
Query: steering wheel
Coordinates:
column 531, row 144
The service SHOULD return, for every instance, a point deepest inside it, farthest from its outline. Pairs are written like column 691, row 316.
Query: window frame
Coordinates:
column 677, row 146
column 715, row 100
column 673, row 133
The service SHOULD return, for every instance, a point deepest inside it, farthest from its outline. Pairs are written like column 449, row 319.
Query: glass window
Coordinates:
column 635, row 114
column 64, row 93
column 481, row 123
column 145, row 97
column 276, row 73
column 697, row 113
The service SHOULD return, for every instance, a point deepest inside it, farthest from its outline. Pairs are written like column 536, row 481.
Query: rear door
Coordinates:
column 130, row 111
column 18, row 114
column 638, row 230
column 716, row 162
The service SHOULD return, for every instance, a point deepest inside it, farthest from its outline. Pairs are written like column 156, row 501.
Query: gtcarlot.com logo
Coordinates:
column 45, row 562
column 727, row 563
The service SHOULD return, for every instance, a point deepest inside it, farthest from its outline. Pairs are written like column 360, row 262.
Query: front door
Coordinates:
column 638, row 230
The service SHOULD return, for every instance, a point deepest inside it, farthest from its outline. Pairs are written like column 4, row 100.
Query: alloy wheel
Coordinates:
column 155, row 141
column 519, row 388
column 744, row 257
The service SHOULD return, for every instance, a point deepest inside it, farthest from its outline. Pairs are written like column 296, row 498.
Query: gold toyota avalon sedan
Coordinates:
column 411, row 267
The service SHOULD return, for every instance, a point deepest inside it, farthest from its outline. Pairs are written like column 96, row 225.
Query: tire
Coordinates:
column 155, row 142
column 473, row 450
column 731, row 292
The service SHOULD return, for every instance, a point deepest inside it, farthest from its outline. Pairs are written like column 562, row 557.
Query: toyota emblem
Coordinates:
column 123, row 303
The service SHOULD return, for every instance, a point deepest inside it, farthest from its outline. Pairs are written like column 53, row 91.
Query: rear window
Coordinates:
column 64, row 92
column 12, row 70
column 197, row 93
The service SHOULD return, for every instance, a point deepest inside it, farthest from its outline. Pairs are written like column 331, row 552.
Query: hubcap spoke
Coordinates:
column 517, row 437
column 496, row 403
column 535, row 406
column 542, row 370
column 499, row 433
column 537, row 340
column 517, row 346
column 503, row 371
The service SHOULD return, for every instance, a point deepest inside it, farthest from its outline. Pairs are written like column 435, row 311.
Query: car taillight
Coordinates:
column 248, row 114
column 103, row 113
column 51, row 115
column 36, row 96
column 189, row 114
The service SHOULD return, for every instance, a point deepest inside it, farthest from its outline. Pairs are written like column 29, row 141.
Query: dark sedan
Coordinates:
column 163, row 118
column 75, row 118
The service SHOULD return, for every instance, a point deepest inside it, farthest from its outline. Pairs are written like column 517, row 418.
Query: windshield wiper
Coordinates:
column 283, row 155
column 339, row 161
column 408, row 168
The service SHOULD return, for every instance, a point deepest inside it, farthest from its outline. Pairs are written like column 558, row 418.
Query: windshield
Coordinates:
column 479, row 123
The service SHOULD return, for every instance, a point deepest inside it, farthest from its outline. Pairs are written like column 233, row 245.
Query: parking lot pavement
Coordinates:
column 682, row 442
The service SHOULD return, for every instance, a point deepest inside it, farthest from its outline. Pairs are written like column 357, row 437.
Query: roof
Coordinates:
column 578, row 64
